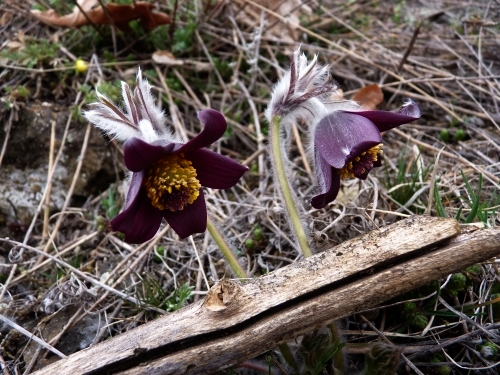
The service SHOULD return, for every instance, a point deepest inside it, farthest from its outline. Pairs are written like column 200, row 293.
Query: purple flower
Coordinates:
column 168, row 179
column 348, row 144
column 167, row 175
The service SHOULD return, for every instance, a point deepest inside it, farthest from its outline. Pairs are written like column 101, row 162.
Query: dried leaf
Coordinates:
column 167, row 58
column 6, row 17
column 369, row 97
column 14, row 45
column 115, row 14
column 73, row 20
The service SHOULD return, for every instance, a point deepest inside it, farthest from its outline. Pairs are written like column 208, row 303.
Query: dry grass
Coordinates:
column 445, row 55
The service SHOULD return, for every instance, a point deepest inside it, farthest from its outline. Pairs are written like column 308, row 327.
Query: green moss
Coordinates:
column 456, row 284
column 459, row 135
column 489, row 351
column 444, row 135
column 382, row 359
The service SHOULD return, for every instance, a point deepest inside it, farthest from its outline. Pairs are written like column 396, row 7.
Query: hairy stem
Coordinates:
column 226, row 250
column 338, row 357
column 295, row 219
column 284, row 186
column 288, row 356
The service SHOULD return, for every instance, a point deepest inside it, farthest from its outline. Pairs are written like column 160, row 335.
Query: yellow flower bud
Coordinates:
column 81, row 66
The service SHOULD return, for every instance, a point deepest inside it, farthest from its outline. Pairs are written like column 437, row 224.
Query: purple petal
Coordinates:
column 139, row 155
column 410, row 108
column 192, row 219
column 328, row 181
column 341, row 136
column 215, row 126
column 385, row 120
column 214, row 170
column 140, row 220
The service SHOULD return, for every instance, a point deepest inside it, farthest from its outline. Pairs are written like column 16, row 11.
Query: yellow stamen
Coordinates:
column 361, row 164
column 171, row 183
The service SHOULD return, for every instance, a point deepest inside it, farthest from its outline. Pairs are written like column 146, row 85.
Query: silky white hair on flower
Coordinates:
column 306, row 93
column 108, row 117
column 146, row 103
column 302, row 90
column 142, row 117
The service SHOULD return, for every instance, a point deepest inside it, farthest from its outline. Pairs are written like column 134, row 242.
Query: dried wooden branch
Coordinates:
column 236, row 322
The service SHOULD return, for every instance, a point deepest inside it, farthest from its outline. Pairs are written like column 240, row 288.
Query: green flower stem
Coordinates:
column 288, row 356
column 226, row 250
column 286, row 192
column 338, row 357
column 295, row 219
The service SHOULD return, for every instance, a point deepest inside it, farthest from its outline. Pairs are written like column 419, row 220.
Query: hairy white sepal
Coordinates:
column 141, row 117
column 106, row 120
column 148, row 133
column 302, row 82
column 306, row 93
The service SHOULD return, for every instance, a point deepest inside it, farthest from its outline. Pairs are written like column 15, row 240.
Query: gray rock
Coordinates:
column 24, row 169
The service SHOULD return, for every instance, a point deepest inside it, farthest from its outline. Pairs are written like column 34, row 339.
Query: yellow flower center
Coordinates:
column 171, row 183
column 362, row 164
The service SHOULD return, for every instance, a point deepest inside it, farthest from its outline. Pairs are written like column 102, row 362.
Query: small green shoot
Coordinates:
column 444, row 135
column 456, row 284
column 183, row 37
column 414, row 316
column 159, row 254
column 109, row 204
column 35, row 52
column 459, row 135
column 152, row 294
column 489, row 351
column 315, row 350
column 474, row 202
column 398, row 16
column 250, row 245
column 484, row 212
column 441, row 212
column 179, row 297
column 406, row 182
column 20, row 92
column 444, row 370
column 382, row 359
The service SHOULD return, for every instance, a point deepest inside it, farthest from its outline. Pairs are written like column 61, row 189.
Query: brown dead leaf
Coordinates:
column 6, row 17
column 369, row 97
column 167, row 58
column 116, row 14
column 21, row 35
column 14, row 45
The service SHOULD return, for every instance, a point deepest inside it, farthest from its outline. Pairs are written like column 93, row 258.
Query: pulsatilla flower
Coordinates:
column 344, row 139
column 347, row 144
column 167, row 175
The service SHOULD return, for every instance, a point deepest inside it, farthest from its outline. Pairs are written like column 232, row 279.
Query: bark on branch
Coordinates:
column 236, row 321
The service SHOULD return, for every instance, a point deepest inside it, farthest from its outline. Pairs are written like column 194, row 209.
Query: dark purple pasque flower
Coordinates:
column 348, row 144
column 167, row 175
column 167, row 182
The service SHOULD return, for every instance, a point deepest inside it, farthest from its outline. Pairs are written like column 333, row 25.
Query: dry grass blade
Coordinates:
column 31, row 336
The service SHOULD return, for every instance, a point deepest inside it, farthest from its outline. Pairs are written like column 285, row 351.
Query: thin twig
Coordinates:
column 31, row 336
column 7, row 134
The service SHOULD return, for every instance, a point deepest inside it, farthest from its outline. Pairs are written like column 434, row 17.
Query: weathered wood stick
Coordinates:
column 236, row 322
